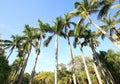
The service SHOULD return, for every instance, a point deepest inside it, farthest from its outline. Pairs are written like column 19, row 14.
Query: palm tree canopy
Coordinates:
column 86, row 7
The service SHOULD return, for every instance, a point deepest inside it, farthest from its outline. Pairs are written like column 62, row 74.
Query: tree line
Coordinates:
column 83, row 35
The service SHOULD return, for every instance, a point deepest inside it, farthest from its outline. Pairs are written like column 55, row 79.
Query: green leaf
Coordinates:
column 47, row 41
column 116, row 14
column 118, row 21
column 75, row 42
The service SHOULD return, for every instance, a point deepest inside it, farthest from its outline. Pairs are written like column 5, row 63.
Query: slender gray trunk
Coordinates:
column 56, row 59
column 108, row 36
column 95, row 67
column 24, row 66
column 35, row 62
column 103, row 70
column 16, row 73
column 97, row 62
column 86, row 69
column 72, row 61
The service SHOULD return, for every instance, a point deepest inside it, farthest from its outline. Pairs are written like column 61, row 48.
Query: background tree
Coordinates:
column 4, row 68
column 110, row 61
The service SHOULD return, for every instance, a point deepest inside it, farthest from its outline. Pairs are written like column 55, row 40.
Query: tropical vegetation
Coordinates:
column 98, row 67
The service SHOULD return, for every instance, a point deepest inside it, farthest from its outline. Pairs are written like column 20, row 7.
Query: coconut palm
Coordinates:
column 57, row 31
column 84, row 9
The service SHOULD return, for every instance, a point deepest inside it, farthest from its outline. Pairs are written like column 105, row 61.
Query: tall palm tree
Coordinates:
column 78, row 35
column 15, row 43
column 105, row 72
column 57, row 31
column 84, row 9
column 110, row 22
column 66, row 24
column 90, row 38
column 12, row 44
column 95, row 67
column 27, row 43
column 39, row 33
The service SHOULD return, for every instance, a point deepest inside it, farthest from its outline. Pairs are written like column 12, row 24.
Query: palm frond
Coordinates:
column 75, row 42
column 116, row 14
column 62, row 34
column 77, row 4
column 115, row 6
column 71, row 33
column 87, row 25
column 11, row 50
column 104, row 10
column 111, row 32
column 102, row 36
column 118, row 21
column 5, row 41
column 74, row 13
column 92, row 2
column 47, row 41
column 85, row 3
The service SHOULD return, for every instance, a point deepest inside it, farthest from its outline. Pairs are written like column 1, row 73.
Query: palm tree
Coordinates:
column 56, row 30
column 12, row 44
column 66, row 24
column 15, row 43
column 79, row 33
column 90, row 38
column 39, row 33
column 85, row 9
column 95, row 67
column 27, row 43
column 91, row 41
column 109, row 24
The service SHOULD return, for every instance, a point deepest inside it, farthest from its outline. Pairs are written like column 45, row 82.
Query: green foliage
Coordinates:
column 111, row 61
column 26, row 78
column 44, row 78
column 4, row 68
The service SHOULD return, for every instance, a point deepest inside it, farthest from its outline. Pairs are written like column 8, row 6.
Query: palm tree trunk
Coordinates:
column 56, row 59
column 35, row 62
column 16, row 73
column 103, row 70
column 71, row 60
column 95, row 67
column 24, row 66
column 96, row 59
column 108, row 36
column 86, row 69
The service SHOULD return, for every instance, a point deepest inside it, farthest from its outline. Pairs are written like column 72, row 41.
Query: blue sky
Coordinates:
column 15, row 14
